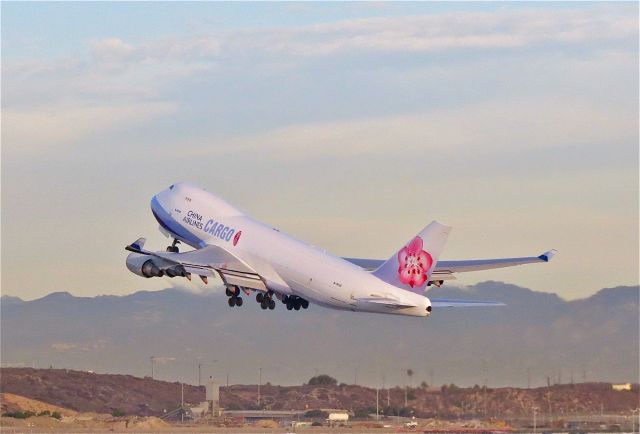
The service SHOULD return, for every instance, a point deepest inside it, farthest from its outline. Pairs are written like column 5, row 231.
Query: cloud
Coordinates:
column 589, row 27
column 479, row 129
column 109, row 49
column 62, row 347
column 410, row 34
column 36, row 130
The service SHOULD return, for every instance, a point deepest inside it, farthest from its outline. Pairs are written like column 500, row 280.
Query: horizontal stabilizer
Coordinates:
column 445, row 269
column 385, row 301
column 440, row 302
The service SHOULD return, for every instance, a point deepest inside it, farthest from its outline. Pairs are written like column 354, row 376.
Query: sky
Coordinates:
column 348, row 125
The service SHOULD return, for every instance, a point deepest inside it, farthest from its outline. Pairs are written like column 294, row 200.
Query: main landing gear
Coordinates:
column 266, row 300
column 173, row 248
column 295, row 302
column 233, row 292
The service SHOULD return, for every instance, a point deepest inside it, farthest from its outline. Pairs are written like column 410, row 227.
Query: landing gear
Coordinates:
column 294, row 302
column 173, row 248
column 266, row 300
column 234, row 296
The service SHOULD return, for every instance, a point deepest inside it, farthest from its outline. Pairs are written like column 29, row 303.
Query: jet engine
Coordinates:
column 143, row 265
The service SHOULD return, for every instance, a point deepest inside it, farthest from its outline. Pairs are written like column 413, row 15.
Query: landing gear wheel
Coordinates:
column 264, row 303
column 272, row 304
column 304, row 303
column 238, row 301
column 289, row 306
column 231, row 301
column 259, row 297
column 173, row 248
column 296, row 306
column 228, row 292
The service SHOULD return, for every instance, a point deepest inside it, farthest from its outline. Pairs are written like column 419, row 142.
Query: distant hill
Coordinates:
column 537, row 338
column 104, row 393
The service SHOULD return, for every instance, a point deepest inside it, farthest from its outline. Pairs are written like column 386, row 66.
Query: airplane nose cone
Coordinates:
column 156, row 206
column 160, row 203
column 160, row 207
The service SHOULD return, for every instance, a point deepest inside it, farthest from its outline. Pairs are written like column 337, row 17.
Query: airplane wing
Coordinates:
column 207, row 262
column 445, row 270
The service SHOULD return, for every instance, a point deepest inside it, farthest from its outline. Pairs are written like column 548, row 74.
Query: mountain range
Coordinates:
column 536, row 339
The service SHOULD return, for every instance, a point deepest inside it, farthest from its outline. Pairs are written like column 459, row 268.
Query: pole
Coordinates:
column 259, row 383
column 484, row 370
column 405, row 396
column 535, row 409
column 182, row 402
column 152, row 358
column 355, row 376
column 377, row 403
column 199, row 374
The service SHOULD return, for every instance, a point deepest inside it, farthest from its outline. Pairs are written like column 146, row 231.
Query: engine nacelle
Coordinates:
column 143, row 265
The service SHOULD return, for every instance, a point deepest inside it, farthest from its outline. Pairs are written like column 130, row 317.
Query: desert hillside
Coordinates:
column 106, row 393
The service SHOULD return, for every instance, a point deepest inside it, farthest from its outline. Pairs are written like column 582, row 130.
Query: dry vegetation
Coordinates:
column 106, row 393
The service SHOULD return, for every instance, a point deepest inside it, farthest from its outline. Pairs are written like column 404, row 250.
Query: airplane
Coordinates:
column 252, row 257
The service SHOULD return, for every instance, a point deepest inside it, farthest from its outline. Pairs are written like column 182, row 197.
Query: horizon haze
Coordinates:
column 535, row 337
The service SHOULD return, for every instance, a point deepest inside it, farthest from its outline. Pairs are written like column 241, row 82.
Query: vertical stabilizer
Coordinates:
column 410, row 268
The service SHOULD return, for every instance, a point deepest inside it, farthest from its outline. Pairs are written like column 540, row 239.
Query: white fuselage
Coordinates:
column 287, row 265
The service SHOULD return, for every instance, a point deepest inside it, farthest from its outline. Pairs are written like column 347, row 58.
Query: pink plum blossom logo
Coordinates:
column 237, row 237
column 414, row 263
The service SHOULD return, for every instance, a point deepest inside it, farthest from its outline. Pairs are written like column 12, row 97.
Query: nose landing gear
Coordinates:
column 173, row 248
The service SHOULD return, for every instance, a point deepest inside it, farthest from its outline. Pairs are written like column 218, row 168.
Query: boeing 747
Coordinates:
column 252, row 257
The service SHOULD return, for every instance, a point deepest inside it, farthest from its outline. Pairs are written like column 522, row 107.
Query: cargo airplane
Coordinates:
column 252, row 257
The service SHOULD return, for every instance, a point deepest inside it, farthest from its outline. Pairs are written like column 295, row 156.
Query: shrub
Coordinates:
column 20, row 414
column 117, row 412
column 56, row 415
column 361, row 413
column 313, row 414
column 322, row 380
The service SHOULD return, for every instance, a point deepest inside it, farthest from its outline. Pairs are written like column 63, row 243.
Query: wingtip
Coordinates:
column 547, row 256
column 136, row 245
